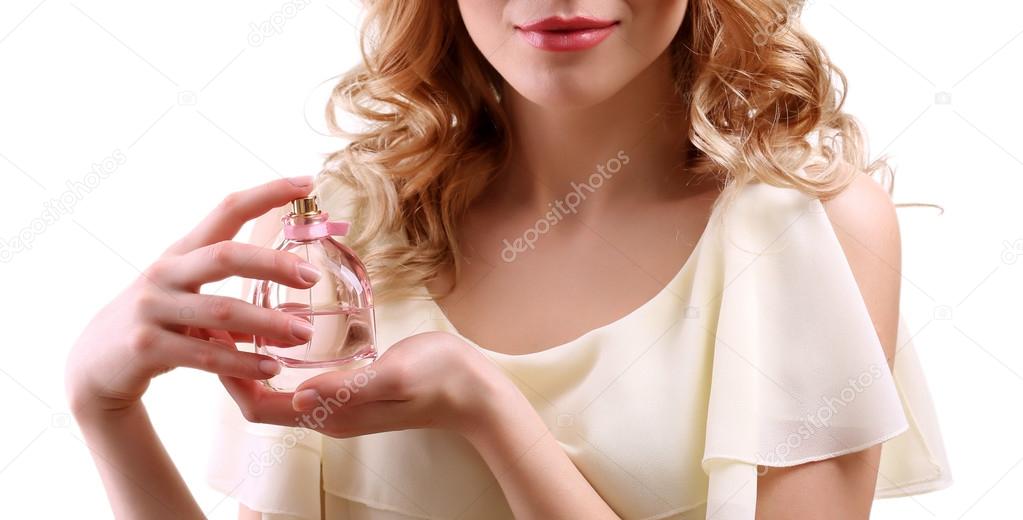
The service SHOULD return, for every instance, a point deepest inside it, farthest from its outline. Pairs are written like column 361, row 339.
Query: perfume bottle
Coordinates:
column 339, row 305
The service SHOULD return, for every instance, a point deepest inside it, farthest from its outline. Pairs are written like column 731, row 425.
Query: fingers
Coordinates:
column 260, row 405
column 232, row 338
column 224, row 259
column 350, row 388
column 335, row 414
column 231, row 314
column 238, row 208
column 168, row 349
column 376, row 417
column 245, row 337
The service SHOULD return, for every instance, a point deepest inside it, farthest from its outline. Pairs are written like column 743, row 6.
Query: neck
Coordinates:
column 635, row 140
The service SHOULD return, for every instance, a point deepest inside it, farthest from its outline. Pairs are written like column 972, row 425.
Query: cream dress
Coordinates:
column 760, row 351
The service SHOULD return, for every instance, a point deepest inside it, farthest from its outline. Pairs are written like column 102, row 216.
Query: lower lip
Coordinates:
column 566, row 41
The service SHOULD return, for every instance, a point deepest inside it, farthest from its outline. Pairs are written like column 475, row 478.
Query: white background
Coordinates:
column 198, row 109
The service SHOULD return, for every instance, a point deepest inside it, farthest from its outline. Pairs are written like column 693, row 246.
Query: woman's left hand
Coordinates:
column 437, row 380
column 430, row 380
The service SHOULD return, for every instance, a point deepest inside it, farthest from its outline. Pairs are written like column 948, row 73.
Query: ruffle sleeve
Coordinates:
column 799, row 374
column 268, row 468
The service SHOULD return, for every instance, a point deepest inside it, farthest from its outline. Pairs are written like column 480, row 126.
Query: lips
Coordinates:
column 566, row 34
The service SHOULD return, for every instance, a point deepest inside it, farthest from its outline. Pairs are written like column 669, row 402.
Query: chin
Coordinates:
column 563, row 94
column 563, row 86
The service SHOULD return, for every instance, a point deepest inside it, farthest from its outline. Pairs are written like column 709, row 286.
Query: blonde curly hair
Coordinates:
column 764, row 104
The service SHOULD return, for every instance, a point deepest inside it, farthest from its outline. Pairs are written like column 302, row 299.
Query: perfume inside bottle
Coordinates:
column 339, row 305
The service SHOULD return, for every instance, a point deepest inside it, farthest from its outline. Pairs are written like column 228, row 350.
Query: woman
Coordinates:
column 522, row 162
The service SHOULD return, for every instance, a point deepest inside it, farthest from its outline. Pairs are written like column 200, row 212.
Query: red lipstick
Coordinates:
column 566, row 34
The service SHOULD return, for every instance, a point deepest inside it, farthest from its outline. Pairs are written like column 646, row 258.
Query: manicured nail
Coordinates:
column 308, row 272
column 302, row 329
column 304, row 180
column 305, row 400
column 269, row 367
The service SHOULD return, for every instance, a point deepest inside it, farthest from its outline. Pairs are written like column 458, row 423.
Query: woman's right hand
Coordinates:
column 161, row 321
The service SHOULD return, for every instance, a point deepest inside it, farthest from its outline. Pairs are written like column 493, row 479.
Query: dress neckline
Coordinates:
column 665, row 291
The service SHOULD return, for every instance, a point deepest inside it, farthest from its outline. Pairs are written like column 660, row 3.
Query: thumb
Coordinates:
column 343, row 388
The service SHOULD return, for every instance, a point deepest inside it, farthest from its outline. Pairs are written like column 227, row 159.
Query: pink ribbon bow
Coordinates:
column 316, row 229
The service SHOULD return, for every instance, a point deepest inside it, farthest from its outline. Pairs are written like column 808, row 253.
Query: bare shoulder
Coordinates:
column 866, row 213
column 863, row 217
column 864, row 220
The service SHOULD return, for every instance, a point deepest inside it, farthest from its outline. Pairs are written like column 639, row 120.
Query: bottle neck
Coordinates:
column 297, row 227
column 292, row 219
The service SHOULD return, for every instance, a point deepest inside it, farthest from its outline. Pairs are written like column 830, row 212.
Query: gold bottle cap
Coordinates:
column 306, row 206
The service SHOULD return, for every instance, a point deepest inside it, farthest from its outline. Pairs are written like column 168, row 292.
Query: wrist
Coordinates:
column 496, row 407
column 97, row 423
column 506, row 429
column 487, row 406
column 88, row 408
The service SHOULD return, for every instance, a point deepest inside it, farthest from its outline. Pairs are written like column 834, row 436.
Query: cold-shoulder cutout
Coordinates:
column 864, row 219
column 800, row 373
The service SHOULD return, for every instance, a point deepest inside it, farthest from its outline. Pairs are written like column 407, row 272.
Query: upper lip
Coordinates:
column 560, row 24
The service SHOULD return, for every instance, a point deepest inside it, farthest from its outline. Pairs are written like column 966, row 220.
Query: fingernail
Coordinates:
column 304, row 180
column 269, row 367
column 302, row 329
column 305, row 400
column 308, row 272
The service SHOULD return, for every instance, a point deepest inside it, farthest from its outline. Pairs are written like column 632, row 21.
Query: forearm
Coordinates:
column 536, row 475
column 140, row 478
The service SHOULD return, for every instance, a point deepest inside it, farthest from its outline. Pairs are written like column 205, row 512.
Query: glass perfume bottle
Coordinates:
column 339, row 305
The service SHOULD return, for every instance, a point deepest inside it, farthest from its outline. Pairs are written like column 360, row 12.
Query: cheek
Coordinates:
column 654, row 24
column 484, row 20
